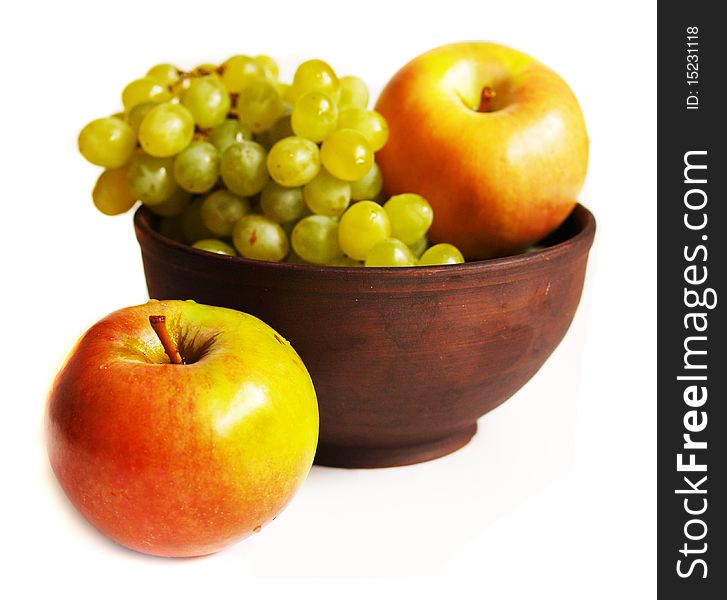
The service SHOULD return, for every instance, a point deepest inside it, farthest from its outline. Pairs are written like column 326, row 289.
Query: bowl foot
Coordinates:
column 352, row 457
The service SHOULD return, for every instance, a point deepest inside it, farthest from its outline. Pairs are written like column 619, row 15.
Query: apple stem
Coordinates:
column 159, row 325
column 486, row 98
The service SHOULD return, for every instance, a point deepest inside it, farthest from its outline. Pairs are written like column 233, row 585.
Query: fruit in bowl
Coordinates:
column 177, row 428
column 495, row 141
column 308, row 190
column 237, row 162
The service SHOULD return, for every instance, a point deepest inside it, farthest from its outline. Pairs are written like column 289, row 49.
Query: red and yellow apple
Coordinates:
column 178, row 437
column 495, row 140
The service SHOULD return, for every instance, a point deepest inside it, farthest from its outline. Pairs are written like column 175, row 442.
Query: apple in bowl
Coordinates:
column 176, row 428
column 494, row 139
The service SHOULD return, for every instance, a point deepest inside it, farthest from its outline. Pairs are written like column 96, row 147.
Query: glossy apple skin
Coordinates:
column 498, row 181
column 181, row 460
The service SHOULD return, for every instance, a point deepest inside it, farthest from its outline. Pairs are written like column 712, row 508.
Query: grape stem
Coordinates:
column 486, row 99
column 159, row 325
column 200, row 134
column 198, row 72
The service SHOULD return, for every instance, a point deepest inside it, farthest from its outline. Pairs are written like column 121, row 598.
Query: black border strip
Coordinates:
column 692, row 361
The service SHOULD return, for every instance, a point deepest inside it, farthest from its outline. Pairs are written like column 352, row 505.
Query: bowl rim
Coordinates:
column 584, row 237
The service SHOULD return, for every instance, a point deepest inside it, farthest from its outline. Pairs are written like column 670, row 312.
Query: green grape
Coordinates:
column 197, row 167
column 314, row 116
column 390, row 253
column 269, row 65
column 111, row 194
column 290, row 225
column 243, row 168
column 327, row 195
column 216, row 246
column 285, row 90
column 361, row 227
column 174, row 205
column 344, row 261
column 221, row 210
column 263, row 138
column 293, row 161
column 315, row 239
column 164, row 73
column 259, row 105
column 369, row 186
column 193, row 227
column 208, row 101
column 368, row 123
column 279, row 130
column 282, row 204
column 293, row 258
column 107, row 142
column 166, row 130
column 353, row 93
column 136, row 115
column 347, row 154
column 151, row 179
column 258, row 237
column 143, row 90
column 418, row 247
column 441, row 254
column 171, row 227
column 227, row 133
column 282, row 128
column 240, row 71
column 313, row 76
column 410, row 216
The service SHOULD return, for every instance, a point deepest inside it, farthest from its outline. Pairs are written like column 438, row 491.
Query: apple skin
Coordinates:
column 181, row 460
column 498, row 181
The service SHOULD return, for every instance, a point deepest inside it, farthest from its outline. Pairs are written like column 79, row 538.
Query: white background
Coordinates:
column 555, row 496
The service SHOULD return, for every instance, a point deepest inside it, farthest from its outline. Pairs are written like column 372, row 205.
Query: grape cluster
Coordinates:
column 235, row 161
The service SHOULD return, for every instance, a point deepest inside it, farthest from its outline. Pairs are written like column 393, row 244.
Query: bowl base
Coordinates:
column 351, row 457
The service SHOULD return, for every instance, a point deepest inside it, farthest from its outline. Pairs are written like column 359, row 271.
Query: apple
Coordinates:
column 495, row 141
column 176, row 428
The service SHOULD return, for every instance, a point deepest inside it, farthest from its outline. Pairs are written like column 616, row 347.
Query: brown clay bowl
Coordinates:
column 404, row 360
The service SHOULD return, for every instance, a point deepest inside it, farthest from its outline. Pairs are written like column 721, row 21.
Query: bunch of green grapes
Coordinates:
column 234, row 161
